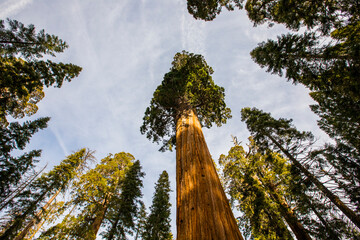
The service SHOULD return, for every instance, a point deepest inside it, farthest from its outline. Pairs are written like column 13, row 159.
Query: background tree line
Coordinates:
column 106, row 197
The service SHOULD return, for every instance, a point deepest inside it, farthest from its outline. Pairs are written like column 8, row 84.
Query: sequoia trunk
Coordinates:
column 203, row 210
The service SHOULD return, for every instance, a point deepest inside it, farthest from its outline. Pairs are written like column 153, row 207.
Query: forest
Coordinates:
column 110, row 135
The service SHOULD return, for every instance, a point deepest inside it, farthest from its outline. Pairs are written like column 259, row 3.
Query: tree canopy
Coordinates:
column 208, row 9
column 188, row 85
column 15, row 137
column 23, row 70
column 158, row 222
column 261, row 217
column 31, row 200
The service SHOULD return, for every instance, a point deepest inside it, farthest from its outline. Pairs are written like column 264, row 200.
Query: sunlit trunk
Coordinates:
column 38, row 217
column 203, row 211
column 100, row 215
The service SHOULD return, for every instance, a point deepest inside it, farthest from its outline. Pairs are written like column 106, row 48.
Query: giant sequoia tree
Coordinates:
column 187, row 100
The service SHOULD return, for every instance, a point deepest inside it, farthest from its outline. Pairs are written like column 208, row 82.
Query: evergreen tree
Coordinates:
column 280, row 135
column 124, row 209
column 31, row 201
column 325, row 58
column 23, row 73
column 15, row 137
column 99, row 197
column 20, row 187
column 140, row 221
column 261, row 194
column 157, row 226
column 187, row 100
column 208, row 9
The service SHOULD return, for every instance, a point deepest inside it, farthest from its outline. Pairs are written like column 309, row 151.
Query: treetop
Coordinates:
column 187, row 86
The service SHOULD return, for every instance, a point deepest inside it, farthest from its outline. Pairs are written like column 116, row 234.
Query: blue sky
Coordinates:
column 125, row 48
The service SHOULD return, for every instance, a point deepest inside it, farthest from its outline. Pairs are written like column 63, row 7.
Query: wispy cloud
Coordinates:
column 60, row 140
column 10, row 7
column 193, row 33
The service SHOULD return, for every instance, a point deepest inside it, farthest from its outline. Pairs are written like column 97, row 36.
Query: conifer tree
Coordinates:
column 140, row 221
column 157, row 226
column 252, row 183
column 124, row 208
column 280, row 135
column 23, row 75
column 186, row 101
column 44, row 187
column 23, row 72
column 99, row 197
column 15, row 137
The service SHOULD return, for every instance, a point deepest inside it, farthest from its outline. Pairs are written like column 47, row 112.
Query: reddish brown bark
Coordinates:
column 203, row 211
column 100, row 215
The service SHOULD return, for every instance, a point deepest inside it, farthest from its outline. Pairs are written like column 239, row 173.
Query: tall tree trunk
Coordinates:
column 333, row 198
column 95, row 226
column 52, row 209
column 37, row 218
column 203, row 211
column 289, row 216
column 331, row 232
column 18, row 221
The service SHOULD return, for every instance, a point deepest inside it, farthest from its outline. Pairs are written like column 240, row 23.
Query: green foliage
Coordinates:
column 48, row 184
column 326, row 58
column 15, row 137
column 158, row 222
column 108, row 192
column 123, row 209
column 263, row 127
column 323, row 15
column 208, row 9
column 188, row 85
column 254, row 178
column 23, row 74
column 346, row 164
column 281, row 136
column 328, row 68
column 244, row 174
column 339, row 118
column 141, row 221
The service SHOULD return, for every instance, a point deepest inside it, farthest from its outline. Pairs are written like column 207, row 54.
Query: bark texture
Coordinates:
column 203, row 210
